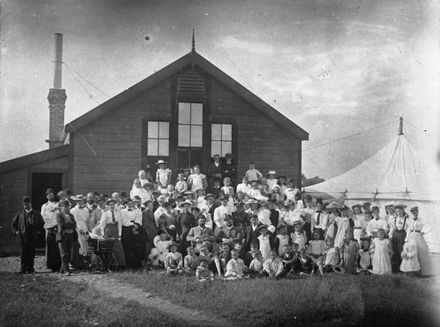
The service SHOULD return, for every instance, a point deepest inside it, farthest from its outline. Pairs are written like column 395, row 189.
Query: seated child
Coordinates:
column 273, row 267
column 203, row 274
column 410, row 263
column 316, row 247
column 190, row 261
column 235, row 267
column 160, row 250
column 365, row 255
column 308, row 267
column 256, row 268
column 239, row 248
column 290, row 258
column 227, row 189
column 173, row 260
column 213, row 261
column 224, row 256
column 331, row 257
column 298, row 236
column 181, row 185
column 251, row 254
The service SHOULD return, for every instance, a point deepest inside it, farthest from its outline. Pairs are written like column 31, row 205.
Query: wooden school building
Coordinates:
column 183, row 113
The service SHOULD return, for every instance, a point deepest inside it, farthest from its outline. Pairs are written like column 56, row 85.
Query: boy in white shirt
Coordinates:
column 253, row 175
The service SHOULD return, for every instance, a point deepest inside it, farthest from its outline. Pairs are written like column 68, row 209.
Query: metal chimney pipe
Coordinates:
column 57, row 79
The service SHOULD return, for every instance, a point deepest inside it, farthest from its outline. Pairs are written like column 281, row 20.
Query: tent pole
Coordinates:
column 401, row 126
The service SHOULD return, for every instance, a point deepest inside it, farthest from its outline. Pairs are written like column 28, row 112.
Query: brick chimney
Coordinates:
column 57, row 98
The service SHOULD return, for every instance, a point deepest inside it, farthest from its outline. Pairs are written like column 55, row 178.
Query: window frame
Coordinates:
column 190, row 124
column 158, row 138
column 221, row 140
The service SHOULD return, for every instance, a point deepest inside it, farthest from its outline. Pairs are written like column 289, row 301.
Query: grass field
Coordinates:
column 328, row 301
column 42, row 300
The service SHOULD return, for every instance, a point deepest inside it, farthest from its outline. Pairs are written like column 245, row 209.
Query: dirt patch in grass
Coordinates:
column 41, row 300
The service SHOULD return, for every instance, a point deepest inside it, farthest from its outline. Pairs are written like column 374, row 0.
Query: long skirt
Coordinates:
column 126, row 244
column 118, row 252
column 397, row 242
column 424, row 255
column 349, row 263
column 53, row 258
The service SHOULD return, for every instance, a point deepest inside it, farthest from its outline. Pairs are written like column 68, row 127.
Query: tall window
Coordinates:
column 190, row 124
column 158, row 138
column 221, row 139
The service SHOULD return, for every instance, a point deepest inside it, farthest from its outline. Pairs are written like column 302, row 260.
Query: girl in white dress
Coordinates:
column 410, row 263
column 298, row 237
column 264, row 240
column 343, row 224
column 382, row 254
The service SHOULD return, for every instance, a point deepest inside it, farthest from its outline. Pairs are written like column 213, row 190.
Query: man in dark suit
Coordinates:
column 27, row 225
column 215, row 170
column 251, row 233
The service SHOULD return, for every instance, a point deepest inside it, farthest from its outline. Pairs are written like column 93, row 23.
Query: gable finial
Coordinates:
column 193, row 43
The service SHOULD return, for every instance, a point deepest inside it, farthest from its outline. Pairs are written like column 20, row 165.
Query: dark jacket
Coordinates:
column 250, row 237
column 19, row 224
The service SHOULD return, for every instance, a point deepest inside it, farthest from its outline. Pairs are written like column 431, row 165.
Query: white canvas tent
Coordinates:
column 396, row 173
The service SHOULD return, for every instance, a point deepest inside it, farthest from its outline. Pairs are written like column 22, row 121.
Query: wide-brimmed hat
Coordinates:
column 261, row 227
column 333, row 205
column 338, row 269
column 366, row 204
column 78, row 197
column 171, row 244
column 271, row 172
column 357, row 206
column 389, row 204
column 184, row 203
column 161, row 162
column 111, row 201
column 400, row 205
column 209, row 195
column 251, row 201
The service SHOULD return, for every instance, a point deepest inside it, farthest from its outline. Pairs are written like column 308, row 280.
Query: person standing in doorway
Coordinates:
column 49, row 212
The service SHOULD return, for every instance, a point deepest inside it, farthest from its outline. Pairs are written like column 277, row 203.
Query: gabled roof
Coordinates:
column 188, row 59
column 35, row 158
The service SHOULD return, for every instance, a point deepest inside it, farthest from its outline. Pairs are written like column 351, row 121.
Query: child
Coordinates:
column 255, row 193
column 227, row 188
column 190, row 260
column 256, row 266
column 382, row 253
column 249, row 256
column 350, row 249
column 181, row 185
column 365, row 255
column 273, row 266
column 316, row 248
column 162, row 176
column 216, row 189
column 203, row 274
column 331, row 257
column 235, row 267
column 298, row 237
column 290, row 260
column 159, row 252
column 173, row 260
column 252, row 174
column 308, row 267
column 410, row 263
column 224, row 256
column 200, row 198
column 281, row 239
column 264, row 242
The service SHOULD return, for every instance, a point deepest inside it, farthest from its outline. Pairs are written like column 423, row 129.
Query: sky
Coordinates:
column 335, row 68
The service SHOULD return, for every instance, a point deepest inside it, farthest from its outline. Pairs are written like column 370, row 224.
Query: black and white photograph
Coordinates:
column 220, row 163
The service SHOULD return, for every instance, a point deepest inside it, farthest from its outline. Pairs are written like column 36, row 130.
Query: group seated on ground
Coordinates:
column 212, row 228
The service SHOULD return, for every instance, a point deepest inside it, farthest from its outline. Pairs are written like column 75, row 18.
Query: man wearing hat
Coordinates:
column 173, row 260
column 27, row 225
column 251, row 233
column 149, row 226
column 399, row 227
column 229, row 169
column 320, row 219
column 48, row 212
column 185, row 221
column 366, row 206
column 360, row 224
column 200, row 234
column 215, row 170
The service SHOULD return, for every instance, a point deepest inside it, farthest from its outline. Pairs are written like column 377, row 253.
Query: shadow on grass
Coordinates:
column 41, row 300
column 328, row 301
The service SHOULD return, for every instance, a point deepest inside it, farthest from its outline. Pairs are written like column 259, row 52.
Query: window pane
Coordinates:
column 164, row 130
column 164, row 147
column 216, row 132
column 152, row 147
column 226, row 132
column 215, row 147
column 226, row 147
column 152, row 129
column 184, row 113
column 196, row 135
column 197, row 113
column 183, row 135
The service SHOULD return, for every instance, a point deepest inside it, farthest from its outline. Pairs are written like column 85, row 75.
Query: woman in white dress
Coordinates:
column 343, row 224
column 382, row 254
column 423, row 254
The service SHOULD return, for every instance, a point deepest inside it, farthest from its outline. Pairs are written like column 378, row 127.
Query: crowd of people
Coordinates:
column 211, row 226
